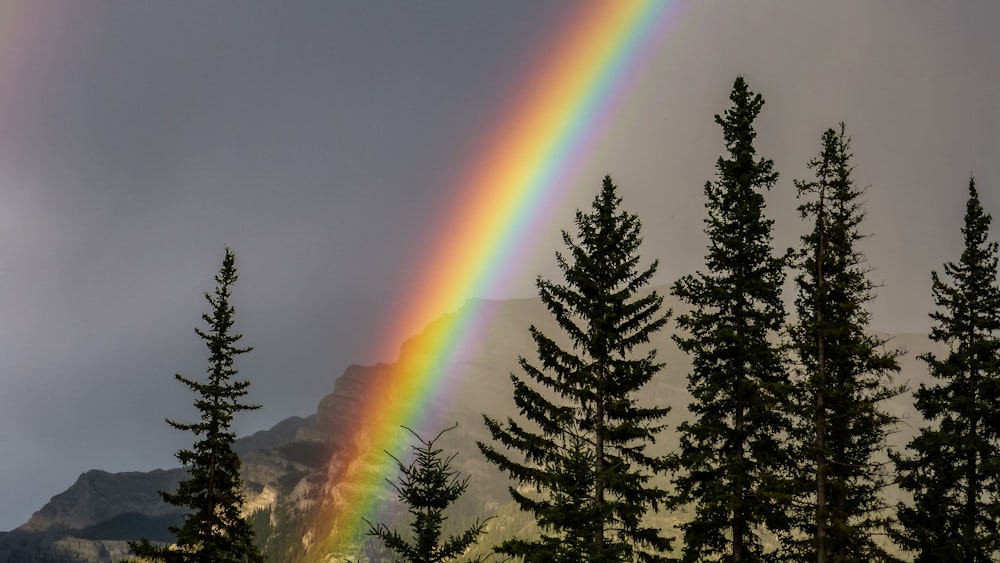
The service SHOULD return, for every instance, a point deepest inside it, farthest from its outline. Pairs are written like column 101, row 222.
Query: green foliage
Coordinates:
column 954, row 471
column 214, row 529
column 843, row 374
column 428, row 486
column 583, row 449
column 260, row 522
column 283, row 540
column 732, row 450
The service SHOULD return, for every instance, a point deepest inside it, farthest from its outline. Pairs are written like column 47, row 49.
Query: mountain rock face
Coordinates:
column 298, row 473
column 98, row 496
column 93, row 519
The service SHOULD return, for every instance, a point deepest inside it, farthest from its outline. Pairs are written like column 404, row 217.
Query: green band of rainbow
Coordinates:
column 521, row 172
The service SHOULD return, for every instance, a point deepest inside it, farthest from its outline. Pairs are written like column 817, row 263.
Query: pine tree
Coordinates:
column 954, row 471
column 732, row 455
column 214, row 529
column 582, row 444
column 428, row 486
column 844, row 373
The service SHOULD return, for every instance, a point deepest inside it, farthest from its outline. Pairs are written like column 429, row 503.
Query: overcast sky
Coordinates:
column 319, row 140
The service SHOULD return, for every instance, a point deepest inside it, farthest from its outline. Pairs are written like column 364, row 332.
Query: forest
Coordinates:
column 783, row 454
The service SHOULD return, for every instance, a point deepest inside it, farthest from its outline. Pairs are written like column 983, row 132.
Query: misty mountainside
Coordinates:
column 299, row 473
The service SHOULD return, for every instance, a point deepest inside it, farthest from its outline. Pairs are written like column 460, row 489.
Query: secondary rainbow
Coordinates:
column 522, row 170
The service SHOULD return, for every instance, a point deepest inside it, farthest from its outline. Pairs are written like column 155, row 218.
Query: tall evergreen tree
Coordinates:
column 214, row 529
column 732, row 456
column 954, row 470
column 844, row 373
column 583, row 449
column 428, row 486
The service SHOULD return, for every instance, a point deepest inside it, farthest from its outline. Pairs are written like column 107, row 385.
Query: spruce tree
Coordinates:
column 214, row 529
column 844, row 373
column 732, row 457
column 579, row 456
column 953, row 470
column 428, row 486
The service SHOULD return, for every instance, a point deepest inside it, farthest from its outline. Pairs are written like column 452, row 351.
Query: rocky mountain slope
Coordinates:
column 297, row 472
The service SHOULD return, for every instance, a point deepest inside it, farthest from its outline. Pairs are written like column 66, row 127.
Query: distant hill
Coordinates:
column 294, row 471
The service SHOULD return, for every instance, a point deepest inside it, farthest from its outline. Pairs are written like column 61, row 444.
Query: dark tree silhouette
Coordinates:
column 844, row 373
column 214, row 529
column 954, row 470
column 583, row 449
column 428, row 486
column 732, row 454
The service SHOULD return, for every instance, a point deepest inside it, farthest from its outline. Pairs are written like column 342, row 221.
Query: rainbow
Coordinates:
column 28, row 30
column 521, row 170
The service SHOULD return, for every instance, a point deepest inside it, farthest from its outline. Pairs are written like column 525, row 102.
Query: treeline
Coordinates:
column 784, row 454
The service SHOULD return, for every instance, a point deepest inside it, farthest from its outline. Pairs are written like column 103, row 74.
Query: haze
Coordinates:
column 320, row 139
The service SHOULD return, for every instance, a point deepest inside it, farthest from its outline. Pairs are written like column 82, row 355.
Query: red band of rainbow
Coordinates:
column 521, row 171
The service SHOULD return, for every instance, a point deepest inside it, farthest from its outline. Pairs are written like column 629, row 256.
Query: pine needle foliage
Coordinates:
column 214, row 529
column 844, row 374
column 428, row 486
column 732, row 455
column 579, row 455
column 953, row 467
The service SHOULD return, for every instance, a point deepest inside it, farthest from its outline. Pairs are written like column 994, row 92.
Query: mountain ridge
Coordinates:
column 294, row 472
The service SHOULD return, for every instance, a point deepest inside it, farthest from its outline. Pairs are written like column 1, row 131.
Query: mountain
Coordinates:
column 91, row 520
column 298, row 472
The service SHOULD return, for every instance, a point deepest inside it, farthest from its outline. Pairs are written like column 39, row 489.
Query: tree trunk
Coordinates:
column 739, row 482
column 971, row 470
column 822, row 465
column 739, row 520
column 739, row 442
column 599, row 463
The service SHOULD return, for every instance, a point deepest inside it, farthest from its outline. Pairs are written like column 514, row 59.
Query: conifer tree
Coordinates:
column 582, row 444
column 843, row 373
column 732, row 455
column 214, row 529
column 428, row 486
column 953, row 471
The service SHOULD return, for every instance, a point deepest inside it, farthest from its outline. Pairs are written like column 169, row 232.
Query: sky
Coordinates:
column 321, row 141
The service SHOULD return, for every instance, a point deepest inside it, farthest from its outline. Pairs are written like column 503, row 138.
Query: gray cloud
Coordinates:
column 321, row 139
